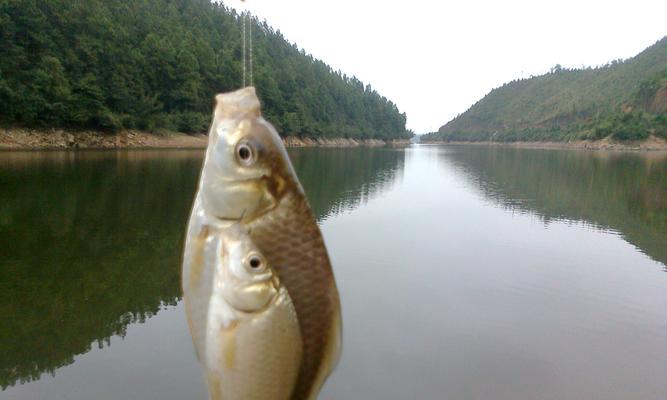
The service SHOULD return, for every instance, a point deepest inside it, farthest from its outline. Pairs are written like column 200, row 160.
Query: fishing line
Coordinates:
column 250, row 45
column 243, row 46
column 246, row 46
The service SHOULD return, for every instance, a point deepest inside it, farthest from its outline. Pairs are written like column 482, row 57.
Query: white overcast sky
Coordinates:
column 434, row 59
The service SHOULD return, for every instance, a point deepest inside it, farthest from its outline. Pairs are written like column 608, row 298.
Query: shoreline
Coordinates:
column 653, row 143
column 58, row 139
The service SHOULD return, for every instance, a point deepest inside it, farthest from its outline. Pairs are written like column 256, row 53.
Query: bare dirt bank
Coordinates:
column 292, row 141
column 653, row 143
column 27, row 139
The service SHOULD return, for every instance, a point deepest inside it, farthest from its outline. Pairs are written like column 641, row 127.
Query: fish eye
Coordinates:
column 256, row 263
column 245, row 154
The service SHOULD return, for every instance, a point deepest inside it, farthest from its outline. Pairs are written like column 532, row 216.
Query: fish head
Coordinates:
column 248, row 282
column 247, row 170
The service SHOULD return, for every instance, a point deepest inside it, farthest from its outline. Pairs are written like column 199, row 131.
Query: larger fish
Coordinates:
column 260, row 294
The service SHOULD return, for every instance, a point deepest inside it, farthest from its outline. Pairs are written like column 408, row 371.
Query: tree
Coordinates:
column 157, row 64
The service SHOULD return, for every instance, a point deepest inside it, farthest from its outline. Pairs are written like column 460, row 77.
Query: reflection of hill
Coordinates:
column 624, row 192
column 340, row 179
column 91, row 241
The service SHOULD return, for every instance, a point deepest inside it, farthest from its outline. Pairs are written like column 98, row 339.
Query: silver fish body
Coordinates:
column 259, row 291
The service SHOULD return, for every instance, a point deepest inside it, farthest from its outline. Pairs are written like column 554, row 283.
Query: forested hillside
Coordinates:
column 155, row 65
column 623, row 99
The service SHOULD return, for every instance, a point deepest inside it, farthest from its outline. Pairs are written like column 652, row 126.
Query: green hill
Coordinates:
column 156, row 64
column 624, row 99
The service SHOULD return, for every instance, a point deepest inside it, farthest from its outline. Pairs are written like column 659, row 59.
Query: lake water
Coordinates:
column 464, row 272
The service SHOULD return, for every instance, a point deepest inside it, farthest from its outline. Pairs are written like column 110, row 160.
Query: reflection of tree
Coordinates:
column 340, row 179
column 91, row 242
column 623, row 192
column 88, row 246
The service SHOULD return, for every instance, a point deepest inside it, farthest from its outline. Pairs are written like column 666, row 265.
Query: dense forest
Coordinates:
column 155, row 65
column 624, row 100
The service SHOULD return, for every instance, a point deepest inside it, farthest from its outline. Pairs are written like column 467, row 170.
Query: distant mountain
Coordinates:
column 623, row 99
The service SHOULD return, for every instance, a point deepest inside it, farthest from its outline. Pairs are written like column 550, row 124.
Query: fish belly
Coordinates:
column 254, row 356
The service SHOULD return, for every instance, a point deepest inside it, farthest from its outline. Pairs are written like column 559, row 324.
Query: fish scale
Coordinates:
column 305, row 271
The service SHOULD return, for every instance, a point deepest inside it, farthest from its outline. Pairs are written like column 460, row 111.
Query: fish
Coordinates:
column 259, row 291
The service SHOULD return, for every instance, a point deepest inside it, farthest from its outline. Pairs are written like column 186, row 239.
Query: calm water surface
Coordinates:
column 464, row 272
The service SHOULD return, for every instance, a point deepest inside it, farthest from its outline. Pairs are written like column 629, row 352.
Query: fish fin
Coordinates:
column 331, row 355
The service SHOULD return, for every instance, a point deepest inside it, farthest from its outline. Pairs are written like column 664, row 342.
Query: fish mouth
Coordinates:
column 232, row 219
column 224, row 218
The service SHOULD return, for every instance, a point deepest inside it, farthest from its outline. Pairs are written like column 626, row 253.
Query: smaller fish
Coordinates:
column 255, row 344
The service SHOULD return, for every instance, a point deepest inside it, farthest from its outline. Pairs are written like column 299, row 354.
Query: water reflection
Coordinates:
column 339, row 180
column 90, row 242
column 623, row 192
column 445, row 293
